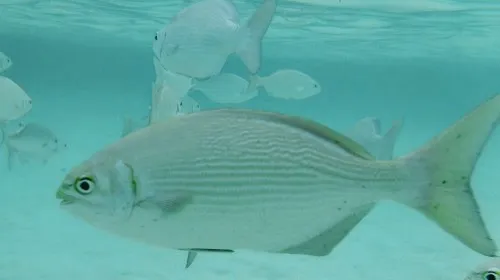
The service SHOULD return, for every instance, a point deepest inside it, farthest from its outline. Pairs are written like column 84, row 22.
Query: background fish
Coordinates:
column 32, row 141
column 225, row 88
column 5, row 62
column 14, row 102
column 198, row 40
column 486, row 271
column 286, row 84
column 243, row 179
column 368, row 133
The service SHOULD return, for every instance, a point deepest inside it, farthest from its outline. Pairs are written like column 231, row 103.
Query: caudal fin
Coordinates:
column 450, row 159
column 250, row 48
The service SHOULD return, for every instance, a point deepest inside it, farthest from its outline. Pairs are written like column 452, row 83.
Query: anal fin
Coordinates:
column 323, row 243
column 190, row 258
column 193, row 253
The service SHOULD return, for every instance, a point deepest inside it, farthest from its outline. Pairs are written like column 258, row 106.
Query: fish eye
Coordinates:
column 315, row 85
column 156, row 37
column 84, row 186
column 490, row 275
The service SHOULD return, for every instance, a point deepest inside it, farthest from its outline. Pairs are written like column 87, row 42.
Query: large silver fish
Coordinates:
column 242, row 179
column 198, row 40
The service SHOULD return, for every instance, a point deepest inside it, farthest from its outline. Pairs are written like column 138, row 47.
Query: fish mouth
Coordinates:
column 65, row 198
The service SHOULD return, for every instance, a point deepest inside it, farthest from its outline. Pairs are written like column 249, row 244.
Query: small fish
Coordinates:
column 32, row 141
column 198, row 40
column 367, row 132
column 263, row 181
column 14, row 102
column 5, row 62
column 225, row 88
column 487, row 271
column 286, row 84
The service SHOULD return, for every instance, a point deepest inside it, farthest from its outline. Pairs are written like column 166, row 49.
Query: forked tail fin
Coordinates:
column 450, row 159
column 256, row 28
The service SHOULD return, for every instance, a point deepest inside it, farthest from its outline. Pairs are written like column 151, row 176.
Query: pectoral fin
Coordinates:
column 323, row 243
column 167, row 202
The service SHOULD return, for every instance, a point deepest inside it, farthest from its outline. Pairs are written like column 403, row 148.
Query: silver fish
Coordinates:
column 262, row 181
column 286, row 84
column 14, row 102
column 198, row 40
column 32, row 141
column 225, row 88
column 368, row 133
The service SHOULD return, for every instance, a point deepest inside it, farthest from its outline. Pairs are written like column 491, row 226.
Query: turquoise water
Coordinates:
column 86, row 65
